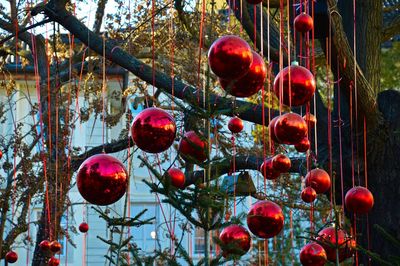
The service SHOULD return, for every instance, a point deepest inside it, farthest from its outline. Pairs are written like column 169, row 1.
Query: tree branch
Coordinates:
column 391, row 29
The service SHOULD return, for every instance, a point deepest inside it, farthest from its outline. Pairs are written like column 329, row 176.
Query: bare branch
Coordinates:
column 391, row 29
column 101, row 5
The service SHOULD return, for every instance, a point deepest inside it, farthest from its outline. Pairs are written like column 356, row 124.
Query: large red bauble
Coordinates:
column 177, row 177
column 302, row 85
column 192, row 148
column 281, row 163
column 153, row 130
column 308, row 194
column 235, row 125
column 45, row 245
column 319, row 180
column 55, row 246
column 303, row 145
column 53, row 261
column 83, row 227
column 290, row 128
column 268, row 171
column 102, row 179
column 230, row 57
column 310, row 119
column 328, row 236
column 313, row 254
column 359, row 200
column 237, row 238
column 11, row 257
column 265, row 219
column 271, row 129
column 303, row 22
column 250, row 83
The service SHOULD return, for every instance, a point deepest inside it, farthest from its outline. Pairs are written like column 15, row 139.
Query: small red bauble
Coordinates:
column 11, row 257
column 83, row 227
column 102, row 179
column 235, row 125
column 265, row 219
column 153, row 130
column 290, row 128
column 271, row 129
column 328, row 236
column 237, row 238
column 319, row 180
column 53, row 261
column 230, row 57
column 177, row 177
column 303, row 145
column 303, row 23
column 310, row 119
column 1, row 154
column 313, row 254
column 192, row 148
column 45, row 245
column 281, row 163
column 359, row 200
column 302, row 85
column 55, row 246
column 250, row 83
column 268, row 171
column 308, row 194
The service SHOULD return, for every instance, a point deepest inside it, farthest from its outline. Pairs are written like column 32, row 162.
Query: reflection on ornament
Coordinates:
column 265, row 219
column 290, row 128
column 237, row 239
column 319, row 180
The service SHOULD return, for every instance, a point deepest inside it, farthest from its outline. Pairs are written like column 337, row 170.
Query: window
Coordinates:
column 145, row 236
column 199, row 243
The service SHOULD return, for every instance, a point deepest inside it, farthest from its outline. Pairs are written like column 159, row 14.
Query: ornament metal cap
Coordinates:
column 295, row 63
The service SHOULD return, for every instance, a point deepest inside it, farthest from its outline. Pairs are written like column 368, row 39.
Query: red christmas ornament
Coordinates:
column 11, row 257
column 303, row 23
column 310, row 119
column 319, row 180
column 153, row 130
column 192, row 148
column 1, row 154
column 55, row 246
column 359, row 200
column 281, row 163
column 302, row 85
column 83, row 227
column 238, row 239
column 290, row 128
column 308, row 194
column 102, row 179
column 235, row 125
column 303, row 145
column 268, row 171
column 53, row 261
column 230, row 57
column 250, row 83
column 254, row 2
column 328, row 237
column 265, row 219
column 45, row 245
column 271, row 129
column 177, row 177
column 313, row 254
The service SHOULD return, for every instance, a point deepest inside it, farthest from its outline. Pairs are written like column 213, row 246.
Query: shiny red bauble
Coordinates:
column 53, row 261
column 308, row 194
column 265, row 219
column 271, row 129
column 1, row 154
column 302, row 84
column 230, row 57
column 328, row 238
column 290, row 128
column 102, row 179
column 268, row 171
column 281, row 163
column 303, row 145
column 250, row 83
column 45, row 245
column 310, row 119
column 235, row 125
column 153, row 130
column 11, row 257
column 319, row 180
column 83, row 227
column 313, row 254
column 193, row 148
column 303, row 23
column 237, row 239
column 177, row 177
column 359, row 200
column 55, row 246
